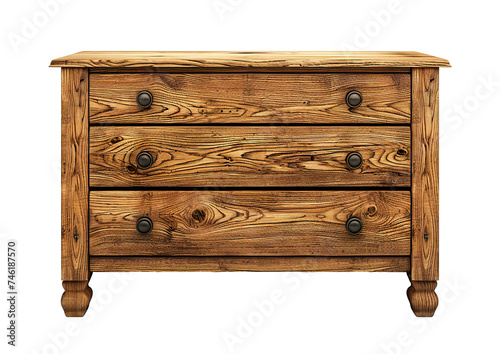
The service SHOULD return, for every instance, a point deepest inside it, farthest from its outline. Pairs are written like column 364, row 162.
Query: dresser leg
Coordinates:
column 423, row 299
column 76, row 298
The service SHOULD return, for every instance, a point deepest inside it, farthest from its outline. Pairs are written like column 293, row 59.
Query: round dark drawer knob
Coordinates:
column 144, row 225
column 144, row 159
column 144, row 99
column 354, row 99
column 354, row 226
column 354, row 160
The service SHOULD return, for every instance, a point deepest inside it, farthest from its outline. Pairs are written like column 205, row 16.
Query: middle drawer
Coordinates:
column 211, row 156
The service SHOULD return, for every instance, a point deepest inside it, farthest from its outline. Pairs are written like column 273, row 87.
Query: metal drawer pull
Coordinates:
column 354, row 160
column 144, row 99
column 144, row 159
column 354, row 225
column 144, row 225
column 354, row 99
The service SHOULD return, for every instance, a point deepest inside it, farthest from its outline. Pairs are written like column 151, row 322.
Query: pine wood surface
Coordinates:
column 281, row 156
column 249, row 223
column 249, row 60
column 74, row 174
column 250, row 264
column 425, row 178
column 243, row 98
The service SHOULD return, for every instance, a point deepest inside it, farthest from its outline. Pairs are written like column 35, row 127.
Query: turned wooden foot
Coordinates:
column 76, row 298
column 423, row 299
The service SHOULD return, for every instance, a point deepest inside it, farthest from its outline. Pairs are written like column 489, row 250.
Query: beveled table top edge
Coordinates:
column 249, row 60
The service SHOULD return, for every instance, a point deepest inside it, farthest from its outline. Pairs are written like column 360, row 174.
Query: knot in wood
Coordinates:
column 372, row 210
column 199, row 215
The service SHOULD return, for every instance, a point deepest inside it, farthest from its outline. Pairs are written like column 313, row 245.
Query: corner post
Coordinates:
column 75, row 271
column 425, row 191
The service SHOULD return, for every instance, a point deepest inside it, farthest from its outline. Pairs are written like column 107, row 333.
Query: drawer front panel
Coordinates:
column 249, row 223
column 205, row 98
column 249, row 156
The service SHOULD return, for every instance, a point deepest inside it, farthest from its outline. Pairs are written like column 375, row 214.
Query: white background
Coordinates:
column 195, row 312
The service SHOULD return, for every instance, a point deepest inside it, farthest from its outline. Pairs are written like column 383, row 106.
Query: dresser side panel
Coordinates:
column 425, row 174
column 74, row 174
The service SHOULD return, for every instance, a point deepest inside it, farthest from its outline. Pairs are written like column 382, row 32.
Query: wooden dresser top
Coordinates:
column 216, row 60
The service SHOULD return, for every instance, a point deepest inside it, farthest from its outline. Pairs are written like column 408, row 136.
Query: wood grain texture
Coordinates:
column 206, row 98
column 74, row 175
column 425, row 179
column 76, row 298
column 297, row 70
column 249, row 223
column 250, row 264
column 423, row 299
column 249, row 60
column 249, row 156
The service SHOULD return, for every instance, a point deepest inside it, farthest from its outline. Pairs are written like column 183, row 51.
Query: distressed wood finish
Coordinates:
column 423, row 299
column 250, row 264
column 249, row 223
column 250, row 98
column 425, row 178
column 249, row 156
column 74, row 175
column 249, row 60
column 249, row 168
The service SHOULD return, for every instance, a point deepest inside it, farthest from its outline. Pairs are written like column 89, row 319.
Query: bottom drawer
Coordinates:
column 249, row 223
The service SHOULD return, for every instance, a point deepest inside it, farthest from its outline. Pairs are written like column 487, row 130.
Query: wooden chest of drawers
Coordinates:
column 218, row 161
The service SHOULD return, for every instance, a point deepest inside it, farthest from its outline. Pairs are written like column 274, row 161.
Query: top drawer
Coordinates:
column 250, row 98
